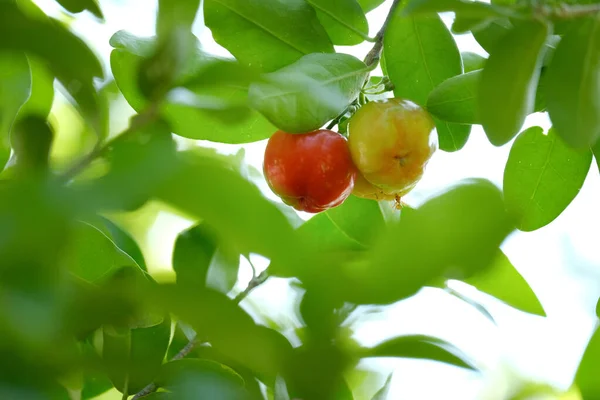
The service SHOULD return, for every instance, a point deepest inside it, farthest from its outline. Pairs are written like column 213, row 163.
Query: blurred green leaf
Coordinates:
column 359, row 219
column 586, row 377
column 95, row 382
column 370, row 5
column 280, row 391
column 210, row 82
column 134, row 357
column 174, row 14
column 202, row 259
column 15, row 88
column 573, row 85
column 464, row 23
column 232, row 332
column 77, row 6
column 68, row 57
column 504, row 282
column 201, row 379
column 505, row 99
column 457, row 232
column 422, row 347
column 122, row 239
column 344, row 20
column 384, row 392
column 489, row 36
column 472, row 61
column 542, row 176
column 463, row 8
column 42, row 90
column 92, row 256
column 420, row 53
column 305, row 95
column 455, row 99
column 215, row 198
column 266, row 34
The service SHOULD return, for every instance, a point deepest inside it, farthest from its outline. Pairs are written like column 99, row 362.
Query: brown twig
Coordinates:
column 374, row 55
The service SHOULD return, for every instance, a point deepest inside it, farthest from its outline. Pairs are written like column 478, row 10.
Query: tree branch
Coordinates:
column 253, row 284
column 375, row 54
column 567, row 11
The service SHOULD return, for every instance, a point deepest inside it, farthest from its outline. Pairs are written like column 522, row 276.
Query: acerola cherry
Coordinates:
column 310, row 172
column 391, row 142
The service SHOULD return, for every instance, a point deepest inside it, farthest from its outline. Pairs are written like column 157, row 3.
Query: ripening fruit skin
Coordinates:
column 391, row 142
column 311, row 172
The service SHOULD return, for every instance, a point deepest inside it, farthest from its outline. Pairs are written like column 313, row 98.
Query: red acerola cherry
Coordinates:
column 310, row 172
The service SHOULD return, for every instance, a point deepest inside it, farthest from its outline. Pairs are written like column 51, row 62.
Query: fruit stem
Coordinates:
column 374, row 55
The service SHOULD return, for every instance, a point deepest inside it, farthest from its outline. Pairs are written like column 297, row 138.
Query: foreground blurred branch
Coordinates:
column 195, row 341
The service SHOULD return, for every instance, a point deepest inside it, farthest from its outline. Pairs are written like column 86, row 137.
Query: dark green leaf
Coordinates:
column 384, row 392
column 586, row 378
column 503, row 281
column 423, row 347
column 305, row 95
column 266, row 34
column 77, row 6
column 542, row 176
column 463, row 24
column 344, row 20
column 455, row 99
column 573, row 85
column 92, row 256
column 68, row 57
column 201, row 379
column 463, row 8
column 458, row 231
column 420, row 53
column 370, row 5
column 174, row 14
column 472, row 61
column 31, row 140
column 15, row 88
column 134, row 356
column 197, row 119
column 505, row 99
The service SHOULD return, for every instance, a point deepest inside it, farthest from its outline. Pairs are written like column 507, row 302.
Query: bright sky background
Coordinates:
column 561, row 261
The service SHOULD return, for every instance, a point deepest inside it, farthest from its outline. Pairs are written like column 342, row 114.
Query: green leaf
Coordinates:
column 359, row 219
column 191, row 121
column 121, row 239
column 67, row 56
column 92, row 256
column 573, row 85
column 463, row 24
column 472, row 61
column 505, row 99
column 15, row 88
column 489, row 36
column 305, row 95
column 455, row 99
column 202, row 259
column 280, row 391
column 199, row 379
column 420, row 53
column 421, row 347
column 542, row 176
column 503, row 281
column 134, row 356
column 344, row 20
column 266, row 34
column 77, row 6
column 215, row 198
column 42, row 90
column 459, row 231
column 228, row 329
column 370, row 5
column 586, row 377
column 384, row 392
column 173, row 14
column 463, row 8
